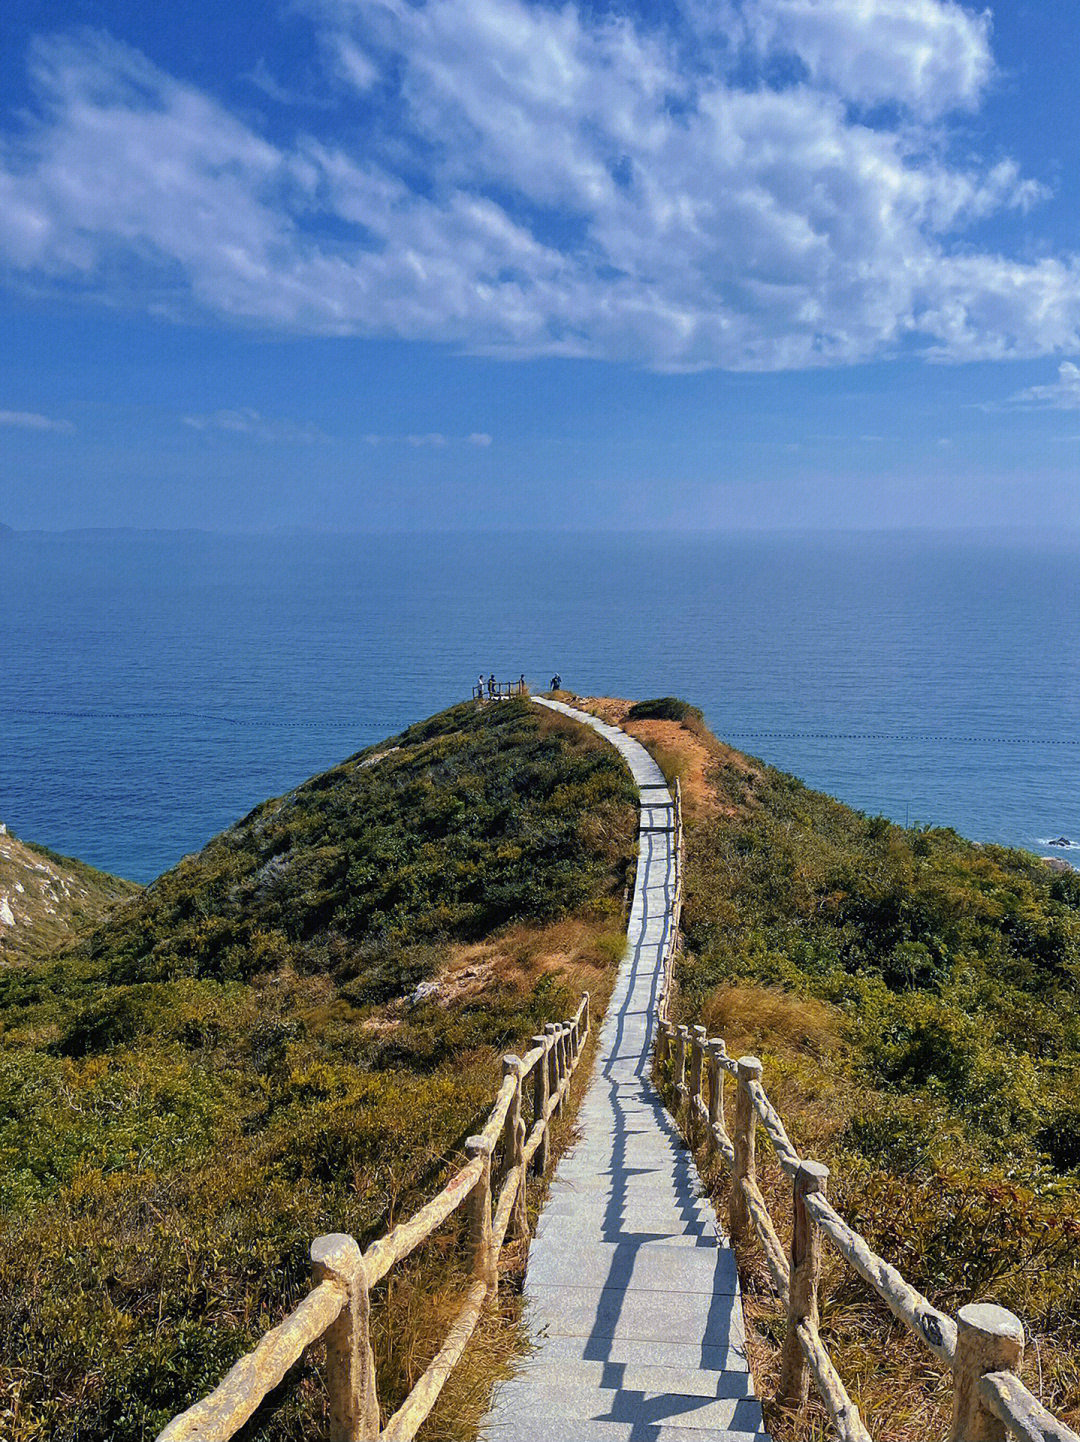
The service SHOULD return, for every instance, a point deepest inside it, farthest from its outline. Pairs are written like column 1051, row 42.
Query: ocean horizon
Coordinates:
column 158, row 684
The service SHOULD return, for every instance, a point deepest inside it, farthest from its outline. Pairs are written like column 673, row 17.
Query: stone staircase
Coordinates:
column 632, row 1296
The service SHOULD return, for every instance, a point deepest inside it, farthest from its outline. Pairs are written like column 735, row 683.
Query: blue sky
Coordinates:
column 340, row 263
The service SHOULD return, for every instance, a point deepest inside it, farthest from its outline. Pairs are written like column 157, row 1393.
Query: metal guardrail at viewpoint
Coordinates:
column 499, row 690
column 490, row 1186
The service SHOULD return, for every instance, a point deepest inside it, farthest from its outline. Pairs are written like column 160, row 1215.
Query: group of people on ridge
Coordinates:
column 492, row 686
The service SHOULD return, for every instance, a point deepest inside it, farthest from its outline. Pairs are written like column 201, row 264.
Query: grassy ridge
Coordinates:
column 914, row 998
column 241, row 1060
column 46, row 899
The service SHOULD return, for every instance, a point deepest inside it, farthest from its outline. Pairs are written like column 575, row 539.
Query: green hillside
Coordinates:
column 47, row 900
column 289, row 1033
column 914, row 997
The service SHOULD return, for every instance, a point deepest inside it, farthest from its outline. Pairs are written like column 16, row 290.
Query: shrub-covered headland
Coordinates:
column 915, row 999
column 289, row 1033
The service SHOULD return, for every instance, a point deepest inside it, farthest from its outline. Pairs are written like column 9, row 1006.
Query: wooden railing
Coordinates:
column 675, row 909
column 499, row 691
column 984, row 1346
column 490, row 1186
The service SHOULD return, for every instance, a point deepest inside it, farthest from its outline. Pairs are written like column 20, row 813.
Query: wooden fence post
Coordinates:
column 745, row 1140
column 540, row 1103
column 552, row 1033
column 481, row 1240
column 585, row 1016
column 697, row 1058
column 803, row 1290
column 718, row 1054
column 513, row 1147
column 558, row 1052
column 988, row 1339
column 697, row 1043
column 350, row 1364
column 679, row 1070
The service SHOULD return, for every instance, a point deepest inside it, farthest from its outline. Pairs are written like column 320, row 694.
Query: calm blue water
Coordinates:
column 155, row 687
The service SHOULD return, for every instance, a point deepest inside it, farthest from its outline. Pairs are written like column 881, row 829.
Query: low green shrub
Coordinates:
column 664, row 708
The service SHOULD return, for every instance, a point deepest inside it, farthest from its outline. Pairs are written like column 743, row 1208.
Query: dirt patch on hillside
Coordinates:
column 579, row 951
column 691, row 754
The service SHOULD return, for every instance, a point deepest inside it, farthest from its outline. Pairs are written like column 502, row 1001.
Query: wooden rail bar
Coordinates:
column 393, row 1248
column 841, row 1409
column 724, row 1146
column 1023, row 1415
column 243, row 1388
column 338, row 1307
column 775, row 1257
column 406, row 1421
column 504, row 1207
column 769, row 1117
column 906, row 1304
column 496, row 1121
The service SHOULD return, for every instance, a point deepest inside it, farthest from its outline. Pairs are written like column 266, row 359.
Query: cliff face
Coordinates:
column 47, row 901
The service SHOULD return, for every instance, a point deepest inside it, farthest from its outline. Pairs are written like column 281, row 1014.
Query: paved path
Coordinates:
column 632, row 1297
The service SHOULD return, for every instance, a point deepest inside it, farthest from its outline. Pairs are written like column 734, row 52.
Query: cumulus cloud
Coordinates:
column 247, row 422
column 1060, row 395
column 540, row 180
column 33, row 421
column 930, row 55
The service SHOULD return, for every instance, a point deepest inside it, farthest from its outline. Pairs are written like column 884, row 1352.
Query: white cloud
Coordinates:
column 355, row 67
column 931, row 55
column 247, row 422
column 583, row 189
column 1060, row 395
column 430, row 440
column 33, row 421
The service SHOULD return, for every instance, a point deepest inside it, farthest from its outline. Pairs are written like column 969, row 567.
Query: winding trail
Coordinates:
column 632, row 1296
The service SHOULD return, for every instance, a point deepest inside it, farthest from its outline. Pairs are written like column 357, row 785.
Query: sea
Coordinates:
column 157, row 685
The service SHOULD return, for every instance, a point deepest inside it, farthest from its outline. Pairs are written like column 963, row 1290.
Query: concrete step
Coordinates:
column 559, row 1349
column 649, row 1267
column 633, row 1316
column 557, row 1397
column 561, row 1429
column 640, row 1377
column 627, row 1226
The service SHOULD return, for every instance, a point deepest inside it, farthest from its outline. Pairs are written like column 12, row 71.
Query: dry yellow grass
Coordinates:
column 500, row 1340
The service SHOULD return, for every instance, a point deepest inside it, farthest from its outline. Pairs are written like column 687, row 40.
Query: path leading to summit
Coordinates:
column 632, row 1295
